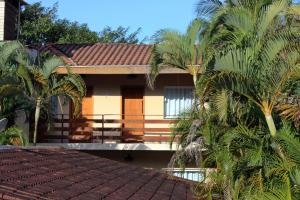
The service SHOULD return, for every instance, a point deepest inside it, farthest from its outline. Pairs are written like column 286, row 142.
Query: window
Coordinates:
column 193, row 174
column 177, row 100
column 54, row 105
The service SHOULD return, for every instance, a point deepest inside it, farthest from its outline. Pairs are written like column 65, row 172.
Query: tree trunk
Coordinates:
column 271, row 124
column 60, row 105
column 36, row 118
column 195, row 77
column 228, row 191
column 195, row 87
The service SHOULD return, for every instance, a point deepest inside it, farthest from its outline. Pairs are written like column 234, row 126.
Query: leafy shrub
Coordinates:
column 13, row 136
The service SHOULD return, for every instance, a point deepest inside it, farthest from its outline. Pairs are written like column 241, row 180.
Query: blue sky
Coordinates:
column 150, row 15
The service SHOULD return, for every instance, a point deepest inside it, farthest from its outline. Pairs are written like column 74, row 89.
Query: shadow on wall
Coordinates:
column 145, row 159
column 107, row 82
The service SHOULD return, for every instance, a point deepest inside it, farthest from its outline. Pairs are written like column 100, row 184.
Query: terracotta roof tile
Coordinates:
column 101, row 53
column 66, row 174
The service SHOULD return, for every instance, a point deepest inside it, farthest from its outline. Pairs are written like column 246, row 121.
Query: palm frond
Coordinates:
column 205, row 8
column 7, row 50
column 268, row 14
column 193, row 32
column 234, row 82
column 23, row 73
column 281, row 191
column 50, row 65
column 289, row 111
column 39, row 77
column 221, row 103
column 294, row 10
column 156, row 66
column 178, row 51
column 9, row 86
column 289, row 143
column 241, row 20
column 71, row 86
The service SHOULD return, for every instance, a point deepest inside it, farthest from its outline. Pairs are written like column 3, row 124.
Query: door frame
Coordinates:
column 122, row 104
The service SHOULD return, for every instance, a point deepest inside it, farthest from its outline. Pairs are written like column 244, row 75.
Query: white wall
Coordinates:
column 2, row 16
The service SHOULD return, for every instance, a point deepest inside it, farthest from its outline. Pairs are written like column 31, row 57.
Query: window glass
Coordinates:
column 177, row 100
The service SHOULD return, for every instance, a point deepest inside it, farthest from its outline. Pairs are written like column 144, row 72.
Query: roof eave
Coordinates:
column 118, row 69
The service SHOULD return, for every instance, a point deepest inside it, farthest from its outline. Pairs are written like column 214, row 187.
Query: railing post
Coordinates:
column 92, row 135
column 122, row 125
column 143, row 138
column 102, row 139
column 62, row 128
column 70, row 126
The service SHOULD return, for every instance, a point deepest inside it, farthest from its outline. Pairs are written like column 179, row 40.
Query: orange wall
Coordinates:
column 107, row 92
column 107, row 96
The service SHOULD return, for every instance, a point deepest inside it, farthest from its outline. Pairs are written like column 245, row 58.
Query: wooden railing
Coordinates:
column 110, row 129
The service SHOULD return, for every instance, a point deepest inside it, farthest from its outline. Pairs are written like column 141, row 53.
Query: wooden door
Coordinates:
column 82, row 127
column 133, row 113
column 87, row 109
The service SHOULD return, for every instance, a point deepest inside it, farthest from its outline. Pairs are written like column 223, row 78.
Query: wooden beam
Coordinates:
column 116, row 121
column 119, row 69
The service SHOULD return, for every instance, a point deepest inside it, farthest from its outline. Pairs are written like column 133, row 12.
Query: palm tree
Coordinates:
column 260, row 59
column 177, row 50
column 246, row 164
column 11, row 93
column 43, row 82
column 256, row 67
column 12, row 97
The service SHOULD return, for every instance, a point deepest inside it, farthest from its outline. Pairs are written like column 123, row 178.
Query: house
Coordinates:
column 66, row 174
column 9, row 18
column 119, row 112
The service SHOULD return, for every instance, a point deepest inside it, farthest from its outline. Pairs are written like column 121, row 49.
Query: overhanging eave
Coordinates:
column 121, row 69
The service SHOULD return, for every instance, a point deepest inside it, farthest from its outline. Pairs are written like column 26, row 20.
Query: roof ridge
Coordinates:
column 101, row 43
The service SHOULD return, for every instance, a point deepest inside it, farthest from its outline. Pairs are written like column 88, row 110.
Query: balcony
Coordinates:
column 110, row 132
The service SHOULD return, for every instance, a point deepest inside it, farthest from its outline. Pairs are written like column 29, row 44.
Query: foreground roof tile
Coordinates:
column 66, row 174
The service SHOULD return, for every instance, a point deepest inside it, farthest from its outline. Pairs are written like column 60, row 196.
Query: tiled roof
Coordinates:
column 101, row 53
column 65, row 174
